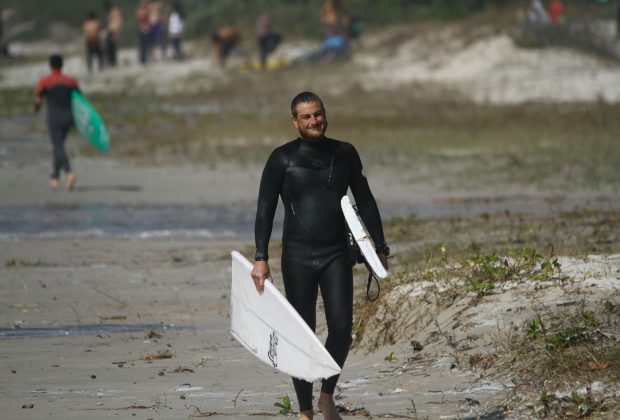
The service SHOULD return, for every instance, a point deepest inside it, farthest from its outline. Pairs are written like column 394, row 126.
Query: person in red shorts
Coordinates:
column 556, row 9
column 57, row 88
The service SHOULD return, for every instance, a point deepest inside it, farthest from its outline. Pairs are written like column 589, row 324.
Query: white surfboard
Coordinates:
column 362, row 238
column 270, row 328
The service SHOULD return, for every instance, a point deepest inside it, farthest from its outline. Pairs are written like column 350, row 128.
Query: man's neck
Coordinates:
column 312, row 140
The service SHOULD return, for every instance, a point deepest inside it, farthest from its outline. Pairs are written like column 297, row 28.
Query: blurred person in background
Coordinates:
column 4, row 49
column 334, row 18
column 113, row 29
column 176, row 26
column 157, row 27
column 142, row 21
column 268, row 40
column 618, row 19
column 92, row 30
column 57, row 89
column 555, row 10
column 225, row 40
column 536, row 13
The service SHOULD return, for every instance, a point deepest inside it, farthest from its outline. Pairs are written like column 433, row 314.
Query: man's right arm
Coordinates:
column 269, row 192
column 40, row 91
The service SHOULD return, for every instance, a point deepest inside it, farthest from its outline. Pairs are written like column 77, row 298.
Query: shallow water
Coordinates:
column 237, row 222
column 146, row 221
column 82, row 330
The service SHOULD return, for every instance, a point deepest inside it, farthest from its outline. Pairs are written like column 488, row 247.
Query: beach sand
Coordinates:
column 184, row 286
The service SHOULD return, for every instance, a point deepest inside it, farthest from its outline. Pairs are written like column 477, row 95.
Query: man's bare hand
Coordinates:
column 260, row 273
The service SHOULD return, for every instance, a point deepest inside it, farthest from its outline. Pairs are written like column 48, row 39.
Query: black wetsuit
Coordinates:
column 57, row 89
column 311, row 177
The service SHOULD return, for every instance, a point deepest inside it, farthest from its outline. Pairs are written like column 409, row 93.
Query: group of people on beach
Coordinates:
column 96, row 34
column 155, row 29
column 538, row 14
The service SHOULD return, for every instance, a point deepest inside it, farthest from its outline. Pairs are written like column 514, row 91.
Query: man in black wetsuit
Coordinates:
column 311, row 174
column 57, row 88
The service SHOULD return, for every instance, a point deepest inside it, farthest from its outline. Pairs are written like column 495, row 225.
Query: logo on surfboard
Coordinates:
column 273, row 349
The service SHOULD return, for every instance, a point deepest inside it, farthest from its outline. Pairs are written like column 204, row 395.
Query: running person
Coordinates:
column 311, row 174
column 57, row 89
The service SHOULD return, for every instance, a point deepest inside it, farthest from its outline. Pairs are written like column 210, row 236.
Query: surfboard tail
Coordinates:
column 270, row 328
column 362, row 238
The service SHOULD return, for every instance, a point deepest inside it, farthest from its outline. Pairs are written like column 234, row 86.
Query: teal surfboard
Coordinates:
column 89, row 123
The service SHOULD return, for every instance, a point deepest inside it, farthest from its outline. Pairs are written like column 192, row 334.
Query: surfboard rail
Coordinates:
column 89, row 123
column 362, row 238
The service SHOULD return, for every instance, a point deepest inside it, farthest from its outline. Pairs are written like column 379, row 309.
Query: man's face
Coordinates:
column 311, row 121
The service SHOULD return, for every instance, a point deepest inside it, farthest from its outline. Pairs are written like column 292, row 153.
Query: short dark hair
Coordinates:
column 305, row 98
column 56, row 61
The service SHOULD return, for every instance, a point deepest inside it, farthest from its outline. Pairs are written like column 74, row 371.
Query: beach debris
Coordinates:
column 159, row 356
column 597, row 366
column 353, row 411
column 391, row 357
column 93, row 376
column 151, row 357
column 416, row 345
column 199, row 413
column 28, row 406
column 187, row 388
column 152, row 334
column 140, row 407
column 113, row 318
column 181, row 369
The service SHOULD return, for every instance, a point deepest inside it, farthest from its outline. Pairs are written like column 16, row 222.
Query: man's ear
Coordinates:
column 294, row 121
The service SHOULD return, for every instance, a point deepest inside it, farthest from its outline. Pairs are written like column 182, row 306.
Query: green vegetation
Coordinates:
column 286, row 409
column 484, row 271
column 26, row 263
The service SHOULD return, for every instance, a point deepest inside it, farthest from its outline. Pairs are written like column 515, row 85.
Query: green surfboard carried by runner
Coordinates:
column 89, row 123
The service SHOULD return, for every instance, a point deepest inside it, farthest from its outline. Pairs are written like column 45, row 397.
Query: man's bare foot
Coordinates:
column 306, row 415
column 70, row 181
column 328, row 407
column 54, row 183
